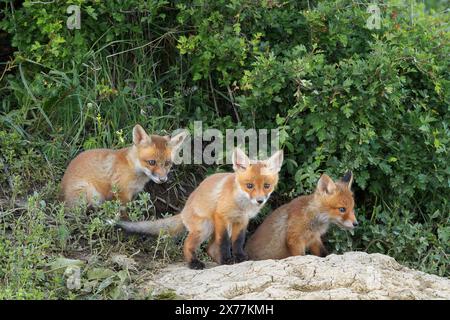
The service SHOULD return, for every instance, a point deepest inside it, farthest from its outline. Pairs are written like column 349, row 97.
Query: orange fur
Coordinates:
column 103, row 174
column 221, row 206
column 297, row 226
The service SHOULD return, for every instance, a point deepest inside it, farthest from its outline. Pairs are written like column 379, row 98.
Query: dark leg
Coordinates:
column 225, row 249
column 238, row 239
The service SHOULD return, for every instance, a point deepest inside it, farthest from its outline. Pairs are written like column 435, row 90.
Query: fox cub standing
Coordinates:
column 298, row 225
column 94, row 174
column 220, row 206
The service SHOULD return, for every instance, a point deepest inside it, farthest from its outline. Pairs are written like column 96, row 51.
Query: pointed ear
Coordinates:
column 348, row 179
column 325, row 185
column 275, row 162
column 177, row 140
column 240, row 160
column 140, row 136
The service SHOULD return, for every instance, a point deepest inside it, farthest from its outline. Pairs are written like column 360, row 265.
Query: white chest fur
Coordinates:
column 245, row 206
column 320, row 223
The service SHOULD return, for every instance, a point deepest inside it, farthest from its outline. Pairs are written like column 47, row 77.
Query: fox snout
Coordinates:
column 158, row 179
column 350, row 222
column 259, row 200
column 353, row 218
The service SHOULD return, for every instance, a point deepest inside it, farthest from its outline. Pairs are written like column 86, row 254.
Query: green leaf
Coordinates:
column 99, row 273
column 62, row 262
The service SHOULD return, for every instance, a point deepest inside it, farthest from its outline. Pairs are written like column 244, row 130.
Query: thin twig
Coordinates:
column 214, row 96
column 233, row 104
column 42, row 2
column 168, row 204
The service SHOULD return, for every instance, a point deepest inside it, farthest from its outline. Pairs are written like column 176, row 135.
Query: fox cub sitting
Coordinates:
column 298, row 225
column 221, row 207
column 93, row 174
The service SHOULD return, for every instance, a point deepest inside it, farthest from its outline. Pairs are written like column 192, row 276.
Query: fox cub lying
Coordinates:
column 298, row 225
column 221, row 207
column 94, row 174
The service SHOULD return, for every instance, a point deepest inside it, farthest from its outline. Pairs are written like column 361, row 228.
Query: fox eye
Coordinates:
column 250, row 185
column 266, row 186
column 151, row 162
column 167, row 163
column 341, row 209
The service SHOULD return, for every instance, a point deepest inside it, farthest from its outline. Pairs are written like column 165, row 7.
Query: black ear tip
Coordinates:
column 347, row 176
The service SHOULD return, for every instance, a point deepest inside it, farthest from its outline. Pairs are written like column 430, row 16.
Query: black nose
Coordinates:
column 355, row 223
column 260, row 201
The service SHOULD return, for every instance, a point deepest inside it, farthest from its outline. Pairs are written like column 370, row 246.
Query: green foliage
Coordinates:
column 20, row 160
column 343, row 96
column 35, row 238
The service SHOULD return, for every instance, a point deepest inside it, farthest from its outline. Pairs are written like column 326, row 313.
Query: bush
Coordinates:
column 343, row 96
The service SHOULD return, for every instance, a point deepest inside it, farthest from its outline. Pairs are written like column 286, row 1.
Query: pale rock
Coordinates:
column 353, row 275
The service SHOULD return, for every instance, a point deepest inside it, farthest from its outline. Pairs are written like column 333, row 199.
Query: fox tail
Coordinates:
column 172, row 225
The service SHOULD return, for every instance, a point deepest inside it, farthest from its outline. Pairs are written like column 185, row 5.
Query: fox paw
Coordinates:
column 241, row 257
column 196, row 265
column 227, row 260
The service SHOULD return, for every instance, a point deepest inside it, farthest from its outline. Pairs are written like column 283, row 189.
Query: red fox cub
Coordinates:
column 298, row 225
column 220, row 206
column 94, row 174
